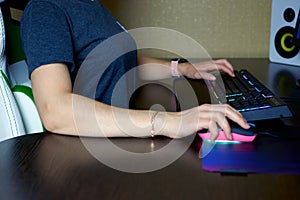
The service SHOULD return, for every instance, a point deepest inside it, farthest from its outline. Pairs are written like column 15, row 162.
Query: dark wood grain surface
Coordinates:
column 51, row 166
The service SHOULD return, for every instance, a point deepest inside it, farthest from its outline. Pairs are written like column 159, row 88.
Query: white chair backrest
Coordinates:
column 18, row 113
column 11, row 123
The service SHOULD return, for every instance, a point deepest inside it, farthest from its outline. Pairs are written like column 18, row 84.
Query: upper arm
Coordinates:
column 52, row 88
column 51, row 80
column 45, row 35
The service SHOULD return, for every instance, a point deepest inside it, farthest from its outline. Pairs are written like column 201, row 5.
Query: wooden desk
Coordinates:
column 50, row 166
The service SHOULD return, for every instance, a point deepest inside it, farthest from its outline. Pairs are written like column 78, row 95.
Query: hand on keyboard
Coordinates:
column 248, row 95
column 202, row 70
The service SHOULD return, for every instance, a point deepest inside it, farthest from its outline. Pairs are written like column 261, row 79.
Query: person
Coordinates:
column 58, row 35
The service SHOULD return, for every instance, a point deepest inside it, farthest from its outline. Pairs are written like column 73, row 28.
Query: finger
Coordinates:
column 236, row 117
column 212, row 120
column 217, row 66
column 209, row 117
column 224, row 108
column 219, row 120
column 197, row 73
column 206, row 66
column 218, row 108
column 225, row 69
column 225, row 63
column 225, row 66
column 204, row 75
column 227, row 111
column 214, row 131
column 223, row 123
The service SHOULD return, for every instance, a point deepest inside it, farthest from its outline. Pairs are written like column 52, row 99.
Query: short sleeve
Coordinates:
column 45, row 35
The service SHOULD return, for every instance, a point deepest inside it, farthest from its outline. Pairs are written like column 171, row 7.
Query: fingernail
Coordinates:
column 212, row 78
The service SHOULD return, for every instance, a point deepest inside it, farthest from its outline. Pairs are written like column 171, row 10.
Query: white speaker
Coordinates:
column 283, row 22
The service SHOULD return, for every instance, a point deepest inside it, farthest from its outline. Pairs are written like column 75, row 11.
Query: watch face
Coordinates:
column 180, row 60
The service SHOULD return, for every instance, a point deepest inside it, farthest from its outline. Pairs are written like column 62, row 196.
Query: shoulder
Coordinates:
column 71, row 9
column 43, row 12
column 61, row 4
column 35, row 7
column 58, row 3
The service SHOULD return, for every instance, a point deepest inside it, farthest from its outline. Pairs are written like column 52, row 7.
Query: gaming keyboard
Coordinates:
column 248, row 95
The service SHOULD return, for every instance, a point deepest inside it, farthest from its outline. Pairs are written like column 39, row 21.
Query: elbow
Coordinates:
column 48, row 118
column 50, row 124
column 52, row 119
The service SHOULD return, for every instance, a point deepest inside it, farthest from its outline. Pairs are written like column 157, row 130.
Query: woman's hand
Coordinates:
column 202, row 70
column 206, row 116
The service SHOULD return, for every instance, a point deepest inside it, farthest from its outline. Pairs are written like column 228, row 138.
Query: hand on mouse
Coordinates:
column 206, row 116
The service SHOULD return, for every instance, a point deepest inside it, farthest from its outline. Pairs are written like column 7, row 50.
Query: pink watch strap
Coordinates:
column 174, row 68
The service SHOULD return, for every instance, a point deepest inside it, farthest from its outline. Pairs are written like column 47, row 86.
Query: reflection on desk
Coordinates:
column 276, row 156
column 283, row 80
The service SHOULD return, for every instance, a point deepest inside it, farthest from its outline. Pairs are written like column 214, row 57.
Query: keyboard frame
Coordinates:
column 192, row 92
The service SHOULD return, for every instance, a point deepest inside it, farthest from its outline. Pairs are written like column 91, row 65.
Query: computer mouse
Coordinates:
column 246, row 132
column 238, row 134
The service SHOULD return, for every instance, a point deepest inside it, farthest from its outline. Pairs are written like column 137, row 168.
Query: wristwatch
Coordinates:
column 174, row 66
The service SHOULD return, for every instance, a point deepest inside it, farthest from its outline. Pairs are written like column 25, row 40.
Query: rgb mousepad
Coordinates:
column 264, row 155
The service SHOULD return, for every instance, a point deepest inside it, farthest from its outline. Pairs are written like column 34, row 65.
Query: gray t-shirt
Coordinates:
column 81, row 33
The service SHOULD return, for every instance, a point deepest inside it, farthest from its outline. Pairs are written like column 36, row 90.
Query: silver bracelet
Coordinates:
column 152, row 124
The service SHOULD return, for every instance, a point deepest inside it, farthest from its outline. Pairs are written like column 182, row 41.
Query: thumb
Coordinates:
column 205, row 75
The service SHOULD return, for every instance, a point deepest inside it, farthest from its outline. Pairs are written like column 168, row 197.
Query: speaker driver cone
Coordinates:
column 284, row 42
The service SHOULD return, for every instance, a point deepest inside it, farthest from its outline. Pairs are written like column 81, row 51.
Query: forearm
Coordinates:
column 64, row 112
column 153, row 69
column 77, row 115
